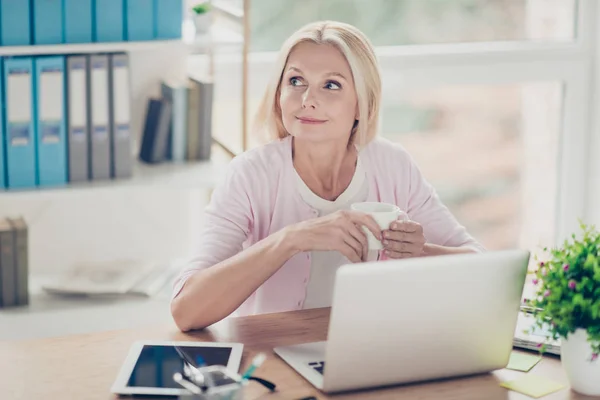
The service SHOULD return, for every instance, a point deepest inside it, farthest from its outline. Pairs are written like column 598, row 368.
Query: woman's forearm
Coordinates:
column 437, row 250
column 212, row 294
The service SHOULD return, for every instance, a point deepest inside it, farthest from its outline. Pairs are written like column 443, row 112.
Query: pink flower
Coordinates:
column 544, row 272
column 566, row 267
column 547, row 293
column 594, row 356
column 539, row 345
column 541, row 264
column 572, row 284
column 535, row 281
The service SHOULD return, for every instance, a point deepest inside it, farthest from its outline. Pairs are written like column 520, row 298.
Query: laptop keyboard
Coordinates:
column 318, row 366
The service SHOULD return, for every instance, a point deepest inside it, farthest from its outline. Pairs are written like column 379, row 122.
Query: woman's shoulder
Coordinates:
column 383, row 151
column 268, row 159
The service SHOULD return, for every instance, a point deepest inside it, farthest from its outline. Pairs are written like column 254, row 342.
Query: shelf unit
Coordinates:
column 150, row 62
column 154, row 214
column 187, row 176
column 86, row 48
column 148, row 216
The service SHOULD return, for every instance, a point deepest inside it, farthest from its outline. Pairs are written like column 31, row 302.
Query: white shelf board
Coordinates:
column 49, row 315
column 163, row 176
column 79, row 48
column 219, row 35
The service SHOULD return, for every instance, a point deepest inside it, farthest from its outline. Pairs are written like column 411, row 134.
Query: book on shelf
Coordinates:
column 156, row 131
column 14, row 270
column 186, row 109
column 8, row 272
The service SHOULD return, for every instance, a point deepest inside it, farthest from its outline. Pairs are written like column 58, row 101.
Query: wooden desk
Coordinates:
column 85, row 366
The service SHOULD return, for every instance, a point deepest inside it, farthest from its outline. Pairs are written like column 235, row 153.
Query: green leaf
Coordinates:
column 567, row 308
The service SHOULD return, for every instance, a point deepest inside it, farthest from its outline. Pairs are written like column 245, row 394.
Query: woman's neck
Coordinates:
column 327, row 168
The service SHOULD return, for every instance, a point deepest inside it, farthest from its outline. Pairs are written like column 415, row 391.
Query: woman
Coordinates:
column 279, row 225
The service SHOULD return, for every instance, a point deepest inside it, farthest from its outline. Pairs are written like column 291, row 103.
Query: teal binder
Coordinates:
column 51, row 120
column 2, row 131
column 15, row 22
column 108, row 20
column 169, row 17
column 47, row 20
column 19, row 122
column 139, row 20
column 78, row 21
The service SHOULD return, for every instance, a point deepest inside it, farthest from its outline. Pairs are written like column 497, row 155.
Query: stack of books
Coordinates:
column 178, row 125
column 14, row 268
column 44, row 22
column 64, row 119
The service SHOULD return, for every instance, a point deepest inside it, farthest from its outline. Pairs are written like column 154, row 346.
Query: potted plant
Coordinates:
column 567, row 303
column 202, row 17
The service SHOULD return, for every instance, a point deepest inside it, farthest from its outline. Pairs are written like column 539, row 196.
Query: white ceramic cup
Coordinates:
column 384, row 214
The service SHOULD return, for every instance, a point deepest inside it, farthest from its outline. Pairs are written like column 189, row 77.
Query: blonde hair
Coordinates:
column 359, row 53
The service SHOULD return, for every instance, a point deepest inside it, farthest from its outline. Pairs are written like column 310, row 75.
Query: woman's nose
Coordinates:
column 308, row 99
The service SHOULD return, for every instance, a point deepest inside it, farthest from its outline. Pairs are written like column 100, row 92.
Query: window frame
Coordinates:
column 514, row 62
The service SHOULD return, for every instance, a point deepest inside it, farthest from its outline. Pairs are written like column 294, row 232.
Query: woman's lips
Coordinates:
column 311, row 121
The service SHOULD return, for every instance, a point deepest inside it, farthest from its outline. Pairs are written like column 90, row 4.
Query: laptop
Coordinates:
column 418, row 319
column 529, row 336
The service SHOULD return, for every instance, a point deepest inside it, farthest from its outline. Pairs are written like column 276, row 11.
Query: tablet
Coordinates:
column 150, row 365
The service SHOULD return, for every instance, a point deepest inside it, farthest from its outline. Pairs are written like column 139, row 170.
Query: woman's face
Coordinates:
column 318, row 100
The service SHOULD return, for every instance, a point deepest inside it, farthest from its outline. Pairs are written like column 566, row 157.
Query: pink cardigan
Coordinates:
column 259, row 197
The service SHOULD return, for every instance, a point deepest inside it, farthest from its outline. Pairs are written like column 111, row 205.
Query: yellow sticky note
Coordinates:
column 533, row 385
column 522, row 361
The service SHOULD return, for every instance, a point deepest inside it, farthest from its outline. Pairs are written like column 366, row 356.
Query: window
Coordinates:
column 407, row 22
column 491, row 153
column 502, row 84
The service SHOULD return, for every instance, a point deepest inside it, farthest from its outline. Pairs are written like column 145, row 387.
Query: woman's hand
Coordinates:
column 404, row 239
column 340, row 231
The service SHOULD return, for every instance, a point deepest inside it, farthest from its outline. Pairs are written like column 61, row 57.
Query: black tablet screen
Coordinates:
column 156, row 365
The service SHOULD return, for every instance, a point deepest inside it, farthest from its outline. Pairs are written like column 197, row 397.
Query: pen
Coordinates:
column 207, row 378
column 256, row 362
column 177, row 377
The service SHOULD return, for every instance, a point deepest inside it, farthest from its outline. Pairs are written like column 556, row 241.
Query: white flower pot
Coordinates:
column 202, row 22
column 583, row 374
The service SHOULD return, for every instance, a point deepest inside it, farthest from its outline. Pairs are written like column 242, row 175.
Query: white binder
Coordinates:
column 99, row 117
column 120, row 113
column 77, row 118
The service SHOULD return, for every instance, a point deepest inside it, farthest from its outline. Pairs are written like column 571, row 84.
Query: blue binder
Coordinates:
column 2, row 139
column 108, row 21
column 15, row 22
column 51, row 120
column 139, row 20
column 19, row 122
column 169, row 17
column 47, row 20
column 78, row 21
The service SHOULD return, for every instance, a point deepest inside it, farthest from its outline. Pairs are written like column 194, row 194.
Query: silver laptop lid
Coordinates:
column 417, row 319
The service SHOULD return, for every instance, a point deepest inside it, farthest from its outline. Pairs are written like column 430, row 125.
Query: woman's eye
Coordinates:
column 295, row 81
column 333, row 85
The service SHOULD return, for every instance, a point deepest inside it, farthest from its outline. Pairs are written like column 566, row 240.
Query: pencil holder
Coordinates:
column 210, row 383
